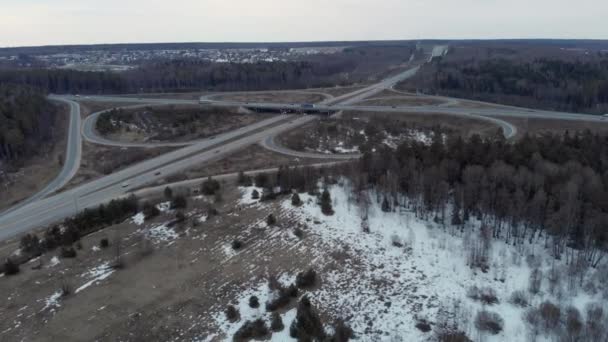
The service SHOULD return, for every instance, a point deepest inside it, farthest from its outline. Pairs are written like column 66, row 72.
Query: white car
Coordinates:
column 125, row 184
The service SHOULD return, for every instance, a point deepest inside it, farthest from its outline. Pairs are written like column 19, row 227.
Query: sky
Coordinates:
column 56, row 22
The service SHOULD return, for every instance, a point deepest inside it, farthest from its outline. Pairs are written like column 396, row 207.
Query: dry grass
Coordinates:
column 175, row 286
column 465, row 126
column 98, row 160
column 542, row 126
column 401, row 101
column 278, row 97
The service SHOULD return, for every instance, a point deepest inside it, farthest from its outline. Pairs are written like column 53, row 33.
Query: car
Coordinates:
column 216, row 151
column 157, row 173
column 125, row 184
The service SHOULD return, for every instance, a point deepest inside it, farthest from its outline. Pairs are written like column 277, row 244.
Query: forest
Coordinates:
column 545, row 81
column 553, row 185
column 27, row 120
column 181, row 75
column 549, row 187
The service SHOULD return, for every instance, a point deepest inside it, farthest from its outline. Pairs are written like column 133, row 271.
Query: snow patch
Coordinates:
column 54, row 261
column 52, row 302
column 162, row 233
column 164, row 207
column 246, row 193
column 95, row 275
column 138, row 219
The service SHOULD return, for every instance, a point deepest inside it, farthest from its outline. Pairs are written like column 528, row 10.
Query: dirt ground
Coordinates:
column 173, row 277
column 179, row 96
column 89, row 107
column 38, row 170
column 337, row 91
column 177, row 123
column 401, row 101
column 359, row 131
column 279, row 97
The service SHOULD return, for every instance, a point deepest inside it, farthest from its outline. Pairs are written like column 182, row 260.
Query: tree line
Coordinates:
column 27, row 120
column 183, row 75
column 549, row 187
column 545, row 82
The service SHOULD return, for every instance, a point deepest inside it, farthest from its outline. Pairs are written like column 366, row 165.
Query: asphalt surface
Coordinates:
column 54, row 208
column 38, row 211
column 71, row 161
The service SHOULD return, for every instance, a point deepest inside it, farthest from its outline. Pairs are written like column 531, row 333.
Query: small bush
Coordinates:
column 254, row 302
column 307, row 326
column 179, row 202
column 10, row 267
column 244, row 180
column 255, row 194
column 262, row 180
column 325, row 203
column 232, row 314
column 168, row 193
column 519, row 298
column 211, row 211
column 237, row 244
column 104, row 243
column 452, row 336
column 298, row 232
column 252, row 330
column 489, row 321
column 68, row 252
column 550, row 315
column 342, row 332
column 295, row 200
column 423, row 325
column 180, row 217
column 282, row 298
column 150, row 211
column 210, row 186
column 30, row 244
column 396, row 241
column 66, row 288
column 306, row 279
column 486, row 295
column 271, row 220
column 276, row 323
column 535, row 281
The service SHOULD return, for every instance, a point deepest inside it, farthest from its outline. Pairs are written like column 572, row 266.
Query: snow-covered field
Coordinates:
column 407, row 270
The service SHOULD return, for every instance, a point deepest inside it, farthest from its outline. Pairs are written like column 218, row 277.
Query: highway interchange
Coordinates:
column 49, row 205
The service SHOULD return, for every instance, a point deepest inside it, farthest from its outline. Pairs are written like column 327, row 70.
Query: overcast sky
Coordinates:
column 42, row 22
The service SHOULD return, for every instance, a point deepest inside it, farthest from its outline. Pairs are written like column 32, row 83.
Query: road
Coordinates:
column 71, row 161
column 40, row 211
column 65, row 204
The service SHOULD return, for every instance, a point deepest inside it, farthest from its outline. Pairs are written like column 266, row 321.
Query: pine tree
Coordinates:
column 295, row 200
column 326, row 207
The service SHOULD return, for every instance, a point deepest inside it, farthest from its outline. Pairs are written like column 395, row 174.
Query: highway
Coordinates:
column 67, row 203
column 42, row 211
column 39, row 211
